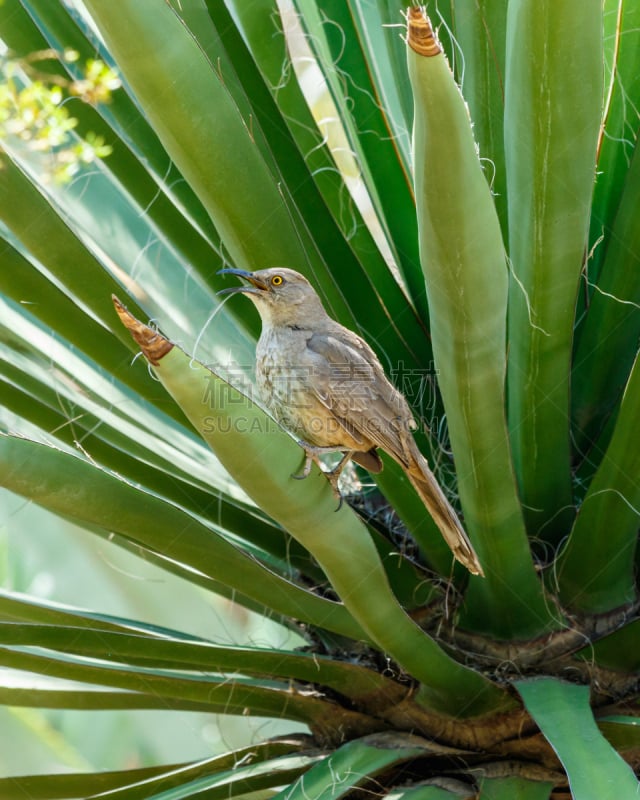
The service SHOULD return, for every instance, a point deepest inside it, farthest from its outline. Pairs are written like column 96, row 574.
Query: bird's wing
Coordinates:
column 348, row 379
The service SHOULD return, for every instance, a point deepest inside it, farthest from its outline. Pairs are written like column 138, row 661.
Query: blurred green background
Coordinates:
column 44, row 556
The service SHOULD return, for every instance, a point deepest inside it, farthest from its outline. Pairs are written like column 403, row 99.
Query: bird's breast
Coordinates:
column 285, row 380
column 282, row 371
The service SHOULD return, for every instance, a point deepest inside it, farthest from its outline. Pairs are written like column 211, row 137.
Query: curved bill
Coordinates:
column 255, row 284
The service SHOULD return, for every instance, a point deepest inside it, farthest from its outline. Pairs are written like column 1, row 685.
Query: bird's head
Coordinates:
column 282, row 296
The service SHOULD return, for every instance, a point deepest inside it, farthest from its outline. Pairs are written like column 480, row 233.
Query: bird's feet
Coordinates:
column 312, row 455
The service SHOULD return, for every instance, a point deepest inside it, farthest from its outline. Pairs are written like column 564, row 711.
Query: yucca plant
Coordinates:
column 496, row 276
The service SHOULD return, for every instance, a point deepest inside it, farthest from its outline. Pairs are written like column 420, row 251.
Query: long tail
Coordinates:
column 425, row 483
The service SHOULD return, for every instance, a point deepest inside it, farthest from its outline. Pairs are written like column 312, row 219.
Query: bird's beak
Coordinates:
column 256, row 286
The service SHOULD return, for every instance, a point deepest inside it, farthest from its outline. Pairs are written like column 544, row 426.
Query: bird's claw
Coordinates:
column 333, row 477
column 306, row 469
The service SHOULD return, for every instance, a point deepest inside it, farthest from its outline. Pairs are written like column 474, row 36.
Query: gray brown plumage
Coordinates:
column 324, row 384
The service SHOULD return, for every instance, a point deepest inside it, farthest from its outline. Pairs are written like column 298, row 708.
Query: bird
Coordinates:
column 325, row 385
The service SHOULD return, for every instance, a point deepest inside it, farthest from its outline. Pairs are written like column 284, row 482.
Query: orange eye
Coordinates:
column 277, row 280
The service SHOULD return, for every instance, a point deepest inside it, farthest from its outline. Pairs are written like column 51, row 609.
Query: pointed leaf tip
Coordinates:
column 152, row 343
column 420, row 35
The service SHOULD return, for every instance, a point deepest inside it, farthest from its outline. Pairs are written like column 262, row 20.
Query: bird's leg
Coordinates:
column 336, row 472
column 333, row 476
column 312, row 454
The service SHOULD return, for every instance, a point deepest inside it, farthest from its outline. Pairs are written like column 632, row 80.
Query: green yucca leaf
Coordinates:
column 481, row 34
column 464, row 262
column 144, row 779
column 512, row 788
column 596, row 568
column 355, row 764
column 611, row 323
column 553, row 107
column 618, row 132
column 349, row 73
column 560, row 708
column 164, row 653
column 79, row 490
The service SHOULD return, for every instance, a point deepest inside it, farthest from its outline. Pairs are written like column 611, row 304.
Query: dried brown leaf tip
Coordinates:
column 420, row 35
column 153, row 344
